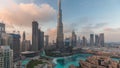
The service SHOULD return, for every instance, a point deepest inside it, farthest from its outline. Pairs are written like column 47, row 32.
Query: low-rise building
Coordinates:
column 99, row 62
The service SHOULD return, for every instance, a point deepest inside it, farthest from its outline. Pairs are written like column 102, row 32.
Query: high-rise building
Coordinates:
column 84, row 41
column 91, row 39
column 14, row 43
column 60, row 35
column 25, row 43
column 41, row 40
column 96, row 40
column 79, row 41
column 5, row 39
column 101, row 40
column 34, row 36
column 73, row 39
column 67, row 42
column 6, row 57
column 37, row 37
column 46, row 40
column 2, row 28
column 24, row 36
column 2, row 32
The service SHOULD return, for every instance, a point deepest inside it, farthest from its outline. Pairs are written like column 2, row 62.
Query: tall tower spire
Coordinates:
column 59, row 12
column 59, row 4
column 60, row 35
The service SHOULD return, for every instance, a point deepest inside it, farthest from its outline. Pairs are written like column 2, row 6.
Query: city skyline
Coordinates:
column 59, row 34
column 85, row 17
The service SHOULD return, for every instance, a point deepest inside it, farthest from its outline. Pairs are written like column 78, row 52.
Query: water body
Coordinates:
column 65, row 62
column 25, row 62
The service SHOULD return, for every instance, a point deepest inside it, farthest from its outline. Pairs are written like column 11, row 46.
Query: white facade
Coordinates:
column 6, row 57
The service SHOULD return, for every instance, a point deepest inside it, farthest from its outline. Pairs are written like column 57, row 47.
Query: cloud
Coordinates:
column 24, row 14
column 86, row 32
column 95, row 26
column 112, row 34
column 52, row 34
column 109, row 29
column 88, row 29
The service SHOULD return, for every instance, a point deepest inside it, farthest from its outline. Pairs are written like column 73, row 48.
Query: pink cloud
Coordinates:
column 52, row 34
column 19, row 17
column 23, row 14
column 108, row 29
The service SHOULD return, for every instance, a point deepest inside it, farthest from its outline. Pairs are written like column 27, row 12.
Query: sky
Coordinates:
column 83, row 16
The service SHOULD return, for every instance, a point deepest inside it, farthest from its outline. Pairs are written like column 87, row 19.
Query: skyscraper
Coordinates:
column 40, row 39
column 46, row 40
column 78, row 41
column 73, row 39
column 84, row 41
column 96, row 40
column 23, row 42
column 2, row 28
column 91, row 39
column 67, row 42
column 34, row 36
column 24, row 36
column 27, row 45
column 15, row 45
column 101, row 39
column 60, row 35
column 6, row 57
column 2, row 32
column 5, row 39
